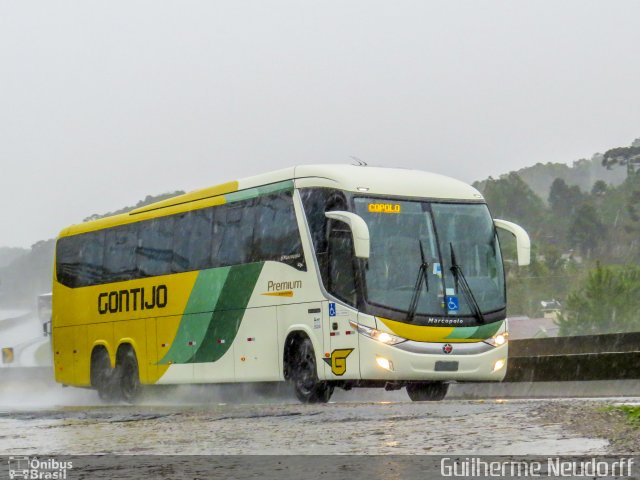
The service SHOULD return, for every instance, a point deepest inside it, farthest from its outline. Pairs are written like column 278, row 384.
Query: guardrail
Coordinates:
column 557, row 359
column 613, row 356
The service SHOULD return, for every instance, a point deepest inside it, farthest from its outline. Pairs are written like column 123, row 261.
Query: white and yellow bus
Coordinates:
column 322, row 276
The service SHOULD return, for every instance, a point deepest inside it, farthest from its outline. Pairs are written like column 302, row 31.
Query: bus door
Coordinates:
column 341, row 358
column 343, row 361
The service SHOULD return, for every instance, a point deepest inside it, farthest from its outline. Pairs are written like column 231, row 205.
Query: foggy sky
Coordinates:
column 102, row 103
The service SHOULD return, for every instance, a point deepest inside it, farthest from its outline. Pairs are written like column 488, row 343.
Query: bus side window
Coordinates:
column 68, row 260
column 120, row 253
column 155, row 247
column 192, row 240
column 91, row 271
column 341, row 275
column 233, row 234
column 276, row 236
column 316, row 202
column 79, row 259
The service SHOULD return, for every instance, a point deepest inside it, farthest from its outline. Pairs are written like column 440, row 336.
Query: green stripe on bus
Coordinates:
column 227, row 317
column 488, row 331
column 259, row 191
column 213, row 314
column 463, row 332
column 197, row 314
column 483, row 332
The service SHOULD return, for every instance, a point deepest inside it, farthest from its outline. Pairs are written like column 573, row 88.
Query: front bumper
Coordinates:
column 428, row 362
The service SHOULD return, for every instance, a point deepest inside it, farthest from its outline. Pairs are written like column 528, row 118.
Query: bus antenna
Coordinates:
column 361, row 163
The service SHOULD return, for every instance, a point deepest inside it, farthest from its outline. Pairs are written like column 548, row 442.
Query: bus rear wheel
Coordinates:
column 304, row 375
column 427, row 392
column 103, row 376
column 128, row 375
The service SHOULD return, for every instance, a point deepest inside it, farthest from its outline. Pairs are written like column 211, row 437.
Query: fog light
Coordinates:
column 384, row 363
column 499, row 365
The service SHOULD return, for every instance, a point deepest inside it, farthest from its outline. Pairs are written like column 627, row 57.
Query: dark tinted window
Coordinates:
column 342, row 279
column 120, row 253
column 68, row 260
column 91, row 259
column 233, row 233
column 316, row 202
column 155, row 246
column 80, row 259
column 252, row 230
column 192, row 240
column 276, row 236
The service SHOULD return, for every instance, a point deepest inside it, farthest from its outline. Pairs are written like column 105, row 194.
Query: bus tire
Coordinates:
column 427, row 392
column 103, row 376
column 307, row 387
column 128, row 375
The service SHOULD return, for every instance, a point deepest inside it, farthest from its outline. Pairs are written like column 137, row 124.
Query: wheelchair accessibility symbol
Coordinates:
column 332, row 309
column 453, row 304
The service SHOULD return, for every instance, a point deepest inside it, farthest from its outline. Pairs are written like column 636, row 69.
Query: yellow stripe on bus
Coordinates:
column 420, row 333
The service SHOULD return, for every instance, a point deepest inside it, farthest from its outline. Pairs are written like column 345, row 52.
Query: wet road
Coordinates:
column 184, row 424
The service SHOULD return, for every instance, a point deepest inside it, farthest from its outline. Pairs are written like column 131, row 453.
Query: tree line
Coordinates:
column 586, row 245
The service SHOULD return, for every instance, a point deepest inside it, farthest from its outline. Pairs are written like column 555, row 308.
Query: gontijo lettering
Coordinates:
column 384, row 208
column 133, row 299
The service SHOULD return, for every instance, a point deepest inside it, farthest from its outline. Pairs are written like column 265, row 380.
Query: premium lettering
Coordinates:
column 279, row 286
column 134, row 299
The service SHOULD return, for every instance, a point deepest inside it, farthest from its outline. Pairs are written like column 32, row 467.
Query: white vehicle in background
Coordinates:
column 44, row 312
column 25, row 339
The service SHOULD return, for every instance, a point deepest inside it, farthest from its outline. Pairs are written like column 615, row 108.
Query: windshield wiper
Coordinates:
column 423, row 278
column 466, row 289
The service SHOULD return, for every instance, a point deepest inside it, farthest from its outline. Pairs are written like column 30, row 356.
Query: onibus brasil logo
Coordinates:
column 35, row 469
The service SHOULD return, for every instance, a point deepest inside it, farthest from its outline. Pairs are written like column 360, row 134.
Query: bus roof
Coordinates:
column 360, row 179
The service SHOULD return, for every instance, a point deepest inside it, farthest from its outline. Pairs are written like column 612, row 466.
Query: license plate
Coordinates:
column 446, row 366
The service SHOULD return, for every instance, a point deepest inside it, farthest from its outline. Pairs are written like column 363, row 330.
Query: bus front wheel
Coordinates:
column 429, row 391
column 304, row 375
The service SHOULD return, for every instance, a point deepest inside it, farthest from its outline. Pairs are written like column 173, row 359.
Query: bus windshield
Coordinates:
column 450, row 234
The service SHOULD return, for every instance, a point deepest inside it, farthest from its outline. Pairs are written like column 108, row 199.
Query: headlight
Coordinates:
column 498, row 339
column 382, row 337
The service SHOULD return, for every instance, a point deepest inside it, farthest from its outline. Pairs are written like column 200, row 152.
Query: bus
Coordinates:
column 321, row 276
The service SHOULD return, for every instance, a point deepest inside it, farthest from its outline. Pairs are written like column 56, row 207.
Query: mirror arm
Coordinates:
column 359, row 231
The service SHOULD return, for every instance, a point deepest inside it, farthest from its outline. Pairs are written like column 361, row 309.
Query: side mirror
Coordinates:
column 359, row 231
column 46, row 328
column 523, row 243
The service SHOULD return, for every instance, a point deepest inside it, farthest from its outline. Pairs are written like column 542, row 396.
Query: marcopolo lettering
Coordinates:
column 133, row 299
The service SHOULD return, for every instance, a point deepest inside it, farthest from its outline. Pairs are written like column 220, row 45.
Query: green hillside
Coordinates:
column 581, row 234
column 582, row 173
